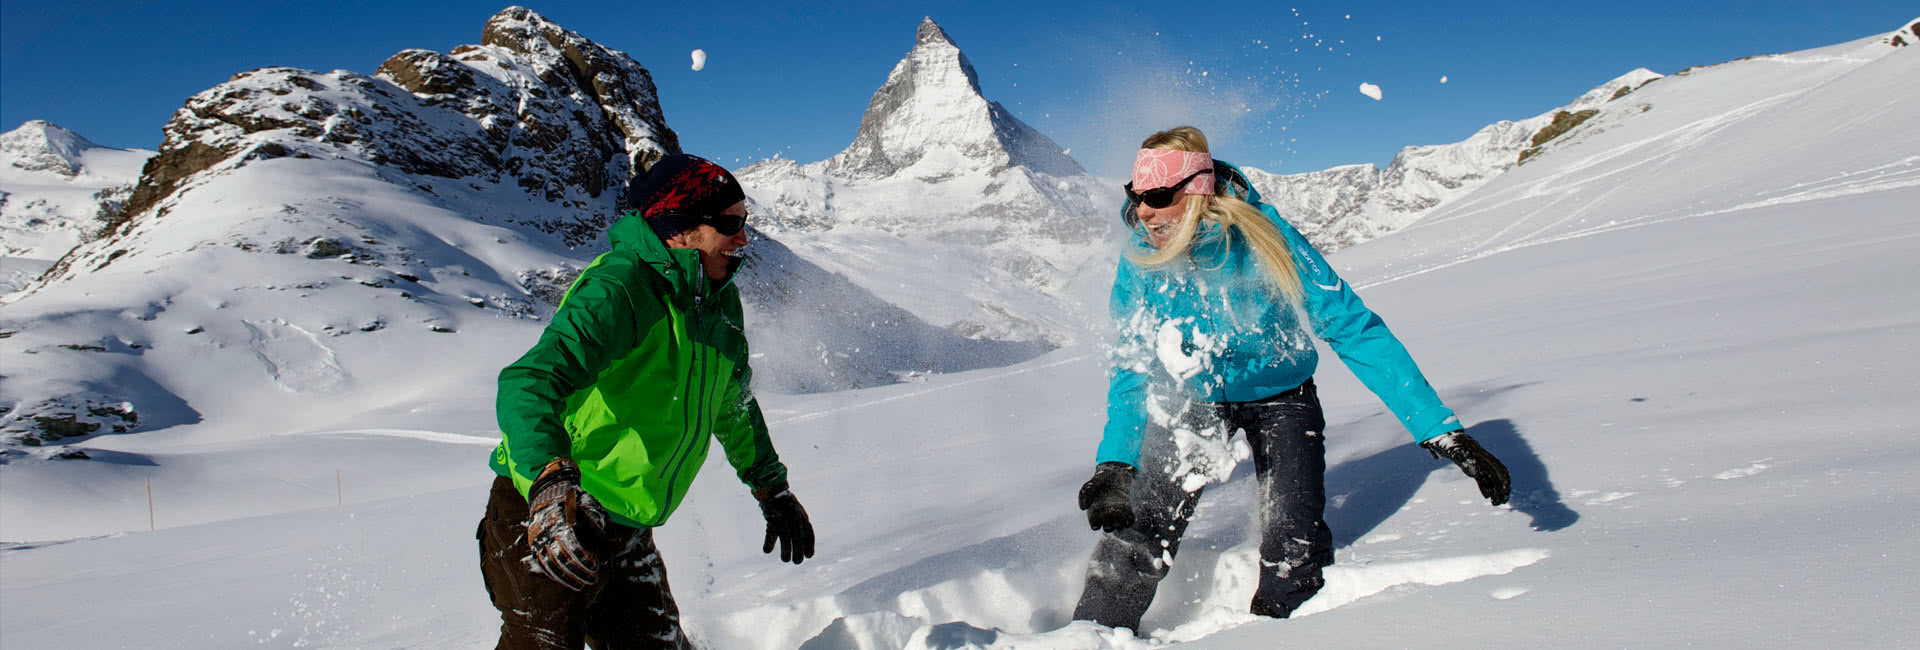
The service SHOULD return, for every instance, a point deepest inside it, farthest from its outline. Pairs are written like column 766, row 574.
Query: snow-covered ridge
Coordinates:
column 57, row 190
column 1346, row 205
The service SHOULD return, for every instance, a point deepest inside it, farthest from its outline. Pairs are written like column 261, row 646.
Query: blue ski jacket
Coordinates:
column 1211, row 328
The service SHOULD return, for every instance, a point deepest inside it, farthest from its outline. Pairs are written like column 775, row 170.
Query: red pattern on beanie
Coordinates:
column 698, row 188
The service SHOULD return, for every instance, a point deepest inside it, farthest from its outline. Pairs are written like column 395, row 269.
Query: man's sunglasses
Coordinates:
column 1161, row 197
column 727, row 225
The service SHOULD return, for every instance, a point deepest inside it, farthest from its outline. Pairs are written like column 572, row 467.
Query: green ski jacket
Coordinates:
column 644, row 364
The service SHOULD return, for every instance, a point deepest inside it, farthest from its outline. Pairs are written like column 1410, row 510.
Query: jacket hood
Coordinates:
column 1232, row 182
column 632, row 234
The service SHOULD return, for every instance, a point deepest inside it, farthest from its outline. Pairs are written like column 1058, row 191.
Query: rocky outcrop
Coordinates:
column 558, row 115
column 308, row 223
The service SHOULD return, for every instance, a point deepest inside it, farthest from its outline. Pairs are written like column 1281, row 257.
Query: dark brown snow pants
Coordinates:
column 628, row 607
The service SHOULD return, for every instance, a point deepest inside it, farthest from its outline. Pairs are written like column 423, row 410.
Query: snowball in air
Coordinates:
column 1443, row 78
column 699, row 60
column 1370, row 90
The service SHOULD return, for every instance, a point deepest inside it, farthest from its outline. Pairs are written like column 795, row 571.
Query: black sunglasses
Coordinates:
column 1161, row 197
column 727, row 225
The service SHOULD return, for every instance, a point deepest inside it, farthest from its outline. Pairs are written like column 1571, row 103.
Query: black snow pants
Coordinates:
column 628, row 607
column 1289, row 461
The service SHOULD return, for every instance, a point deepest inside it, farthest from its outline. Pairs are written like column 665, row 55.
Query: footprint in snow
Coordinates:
column 1509, row 593
column 1609, row 497
column 1757, row 467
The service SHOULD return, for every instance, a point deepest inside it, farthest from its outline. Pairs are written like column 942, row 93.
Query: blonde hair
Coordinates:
column 1269, row 245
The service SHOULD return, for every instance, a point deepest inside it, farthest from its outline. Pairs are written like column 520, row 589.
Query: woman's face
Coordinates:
column 1161, row 222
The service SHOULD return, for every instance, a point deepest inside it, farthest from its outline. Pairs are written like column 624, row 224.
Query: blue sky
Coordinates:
column 1275, row 84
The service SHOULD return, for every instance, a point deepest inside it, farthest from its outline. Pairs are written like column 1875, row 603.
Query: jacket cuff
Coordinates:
column 770, row 491
column 767, row 479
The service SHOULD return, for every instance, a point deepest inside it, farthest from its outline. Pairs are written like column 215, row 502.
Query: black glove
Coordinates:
column 560, row 515
column 1475, row 461
column 1106, row 498
column 786, row 521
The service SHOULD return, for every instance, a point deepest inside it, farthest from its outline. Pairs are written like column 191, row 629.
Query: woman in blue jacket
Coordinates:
column 1209, row 301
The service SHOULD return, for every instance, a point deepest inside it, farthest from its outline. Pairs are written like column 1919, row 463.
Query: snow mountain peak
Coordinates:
column 56, row 190
column 930, row 32
column 932, row 118
column 39, row 145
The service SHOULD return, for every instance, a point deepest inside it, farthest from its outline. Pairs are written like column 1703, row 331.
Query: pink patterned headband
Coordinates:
column 1157, row 168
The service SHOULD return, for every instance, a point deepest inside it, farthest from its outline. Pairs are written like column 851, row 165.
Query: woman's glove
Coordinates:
column 787, row 522
column 1475, row 461
column 560, row 515
column 1106, row 498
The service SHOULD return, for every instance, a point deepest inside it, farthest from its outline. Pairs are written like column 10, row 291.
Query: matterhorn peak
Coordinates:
column 931, row 116
column 930, row 32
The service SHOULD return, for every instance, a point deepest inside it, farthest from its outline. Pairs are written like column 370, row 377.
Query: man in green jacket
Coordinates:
column 605, row 421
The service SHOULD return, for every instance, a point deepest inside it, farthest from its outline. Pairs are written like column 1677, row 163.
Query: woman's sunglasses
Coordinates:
column 1161, row 197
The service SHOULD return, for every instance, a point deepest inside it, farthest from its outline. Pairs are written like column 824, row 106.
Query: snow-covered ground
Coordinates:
column 1688, row 327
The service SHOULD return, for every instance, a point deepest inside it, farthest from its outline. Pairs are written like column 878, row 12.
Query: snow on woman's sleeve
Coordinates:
column 1364, row 343
column 1127, row 381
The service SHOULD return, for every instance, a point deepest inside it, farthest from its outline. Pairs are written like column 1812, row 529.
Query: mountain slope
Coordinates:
column 1343, row 206
column 57, row 190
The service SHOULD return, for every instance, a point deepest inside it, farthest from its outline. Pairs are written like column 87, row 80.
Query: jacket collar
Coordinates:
column 679, row 266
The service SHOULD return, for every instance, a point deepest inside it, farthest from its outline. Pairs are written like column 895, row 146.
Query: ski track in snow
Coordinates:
column 415, row 434
column 1831, row 192
column 1509, row 593
column 1571, row 179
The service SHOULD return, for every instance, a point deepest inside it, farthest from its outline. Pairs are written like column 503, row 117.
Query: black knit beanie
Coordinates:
column 680, row 191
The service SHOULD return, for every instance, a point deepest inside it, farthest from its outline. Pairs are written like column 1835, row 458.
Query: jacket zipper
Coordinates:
column 695, row 374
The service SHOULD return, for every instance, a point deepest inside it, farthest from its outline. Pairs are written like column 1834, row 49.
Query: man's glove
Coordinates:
column 1106, row 497
column 1486, row 470
column 787, row 522
column 560, row 515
